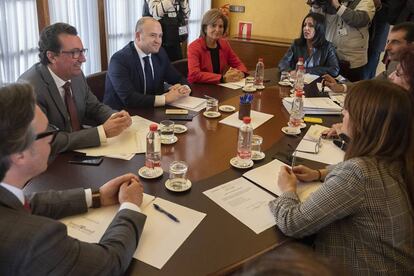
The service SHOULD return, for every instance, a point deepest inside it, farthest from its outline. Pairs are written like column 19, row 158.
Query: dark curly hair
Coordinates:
column 49, row 39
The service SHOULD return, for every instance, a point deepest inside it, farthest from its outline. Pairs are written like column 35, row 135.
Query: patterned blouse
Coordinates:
column 361, row 216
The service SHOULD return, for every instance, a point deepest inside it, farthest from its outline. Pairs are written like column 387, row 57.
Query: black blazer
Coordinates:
column 124, row 86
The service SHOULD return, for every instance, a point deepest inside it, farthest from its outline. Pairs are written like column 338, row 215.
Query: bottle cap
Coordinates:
column 301, row 59
column 301, row 67
column 299, row 93
column 261, row 59
column 247, row 120
column 153, row 127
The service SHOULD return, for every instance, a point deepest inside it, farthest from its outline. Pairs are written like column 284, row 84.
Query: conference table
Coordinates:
column 220, row 243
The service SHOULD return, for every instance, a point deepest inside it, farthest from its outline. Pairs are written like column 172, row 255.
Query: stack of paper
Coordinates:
column 190, row 103
column 328, row 152
column 234, row 85
column 160, row 238
column 320, row 105
column 127, row 144
column 308, row 78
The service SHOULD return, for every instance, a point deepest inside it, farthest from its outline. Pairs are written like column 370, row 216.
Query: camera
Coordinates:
column 325, row 5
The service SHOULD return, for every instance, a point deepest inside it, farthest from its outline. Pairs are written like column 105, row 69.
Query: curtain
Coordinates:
column 18, row 38
column 121, row 17
column 198, row 8
column 83, row 15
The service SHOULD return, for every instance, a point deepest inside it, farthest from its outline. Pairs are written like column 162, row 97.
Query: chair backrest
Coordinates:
column 181, row 66
column 96, row 83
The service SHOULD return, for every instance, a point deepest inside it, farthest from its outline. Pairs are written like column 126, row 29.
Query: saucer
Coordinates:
column 302, row 125
column 234, row 162
column 249, row 90
column 291, row 130
column 259, row 87
column 211, row 114
column 178, row 129
column 177, row 189
column 227, row 108
column 258, row 156
column 165, row 142
column 285, row 83
column 144, row 172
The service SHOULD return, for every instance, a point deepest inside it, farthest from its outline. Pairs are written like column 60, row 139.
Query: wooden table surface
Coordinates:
column 220, row 242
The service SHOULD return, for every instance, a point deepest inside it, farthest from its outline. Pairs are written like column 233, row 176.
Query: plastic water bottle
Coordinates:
column 244, row 143
column 296, row 112
column 153, row 153
column 300, row 78
column 259, row 74
column 298, row 64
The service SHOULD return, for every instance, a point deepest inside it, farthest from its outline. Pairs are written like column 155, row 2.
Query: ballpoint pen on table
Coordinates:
column 161, row 210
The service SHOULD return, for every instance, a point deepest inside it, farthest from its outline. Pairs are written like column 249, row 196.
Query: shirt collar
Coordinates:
column 14, row 190
column 59, row 82
column 141, row 54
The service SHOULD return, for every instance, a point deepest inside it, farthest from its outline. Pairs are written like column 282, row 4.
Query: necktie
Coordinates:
column 70, row 105
column 26, row 205
column 149, row 78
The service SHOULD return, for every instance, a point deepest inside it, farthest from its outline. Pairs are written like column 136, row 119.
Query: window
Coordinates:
column 198, row 8
column 83, row 15
column 19, row 36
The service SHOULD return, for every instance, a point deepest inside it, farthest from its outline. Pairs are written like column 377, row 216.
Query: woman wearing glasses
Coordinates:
column 318, row 53
column 363, row 212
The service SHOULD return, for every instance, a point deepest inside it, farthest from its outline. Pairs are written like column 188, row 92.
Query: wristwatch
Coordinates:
column 96, row 199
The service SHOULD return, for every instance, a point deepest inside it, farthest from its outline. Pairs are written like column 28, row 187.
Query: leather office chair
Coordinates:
column 181, row 66
column 96, row 83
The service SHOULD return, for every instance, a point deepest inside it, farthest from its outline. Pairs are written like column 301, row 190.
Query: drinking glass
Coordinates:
column 167, row 131
column 178, row 174
column 212, row 105
column 256, row 146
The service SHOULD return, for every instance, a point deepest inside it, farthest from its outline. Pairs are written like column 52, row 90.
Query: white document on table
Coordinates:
column 266, row 177
column 160, row 238
column 308, row 78
column 130, row 141
column 234, row 85
column 246, row 202
column 328, row 153
column 258, row 118
column 190, row 103
column 319, row 105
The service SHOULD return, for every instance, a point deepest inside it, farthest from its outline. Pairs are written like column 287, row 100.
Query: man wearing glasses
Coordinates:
column 64, row 96
column 31, row 240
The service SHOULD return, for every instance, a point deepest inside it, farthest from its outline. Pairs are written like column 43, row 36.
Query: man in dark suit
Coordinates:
column 137, row 73
column 32, row 242
column 64, row 96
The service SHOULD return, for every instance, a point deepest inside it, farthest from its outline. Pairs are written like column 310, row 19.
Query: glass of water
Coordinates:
column 167, row 131
column 178, row 175
column 212, row 105
column 256, row 147
column 249, row 84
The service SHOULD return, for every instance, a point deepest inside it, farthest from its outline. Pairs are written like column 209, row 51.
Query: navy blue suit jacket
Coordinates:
column 124, row 86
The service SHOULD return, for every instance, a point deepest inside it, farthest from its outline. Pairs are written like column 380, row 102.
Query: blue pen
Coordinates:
column 161, row 210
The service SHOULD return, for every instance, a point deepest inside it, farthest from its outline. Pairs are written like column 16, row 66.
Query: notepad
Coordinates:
column 160, row 238
column 319, row 105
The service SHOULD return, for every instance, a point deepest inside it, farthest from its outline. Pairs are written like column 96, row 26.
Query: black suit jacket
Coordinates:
column 35, row 244
column 125, row 83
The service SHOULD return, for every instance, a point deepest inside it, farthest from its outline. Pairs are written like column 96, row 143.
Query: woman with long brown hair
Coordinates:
column 363, row 212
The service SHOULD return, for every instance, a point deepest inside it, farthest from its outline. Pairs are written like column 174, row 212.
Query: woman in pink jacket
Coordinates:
column 210, row 57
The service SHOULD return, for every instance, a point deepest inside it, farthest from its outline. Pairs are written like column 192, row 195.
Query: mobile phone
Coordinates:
column 86, row 160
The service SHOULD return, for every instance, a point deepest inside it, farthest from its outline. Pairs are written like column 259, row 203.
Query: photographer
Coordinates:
column 347, row 24
column 173, row 16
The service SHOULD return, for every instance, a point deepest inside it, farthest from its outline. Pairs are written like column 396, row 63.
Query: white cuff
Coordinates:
column 159, row 100
column 130, row 206
column 102, row 135
column 341, row 10
column 88, row 197
column 345, row 87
